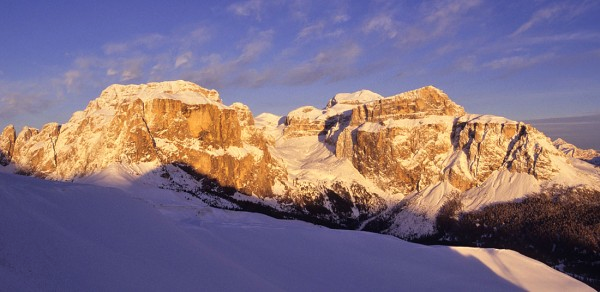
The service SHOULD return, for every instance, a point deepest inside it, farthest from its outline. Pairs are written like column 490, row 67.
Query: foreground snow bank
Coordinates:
column 66, row 237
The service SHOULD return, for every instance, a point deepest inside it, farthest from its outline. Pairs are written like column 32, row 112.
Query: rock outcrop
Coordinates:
column 7, row 144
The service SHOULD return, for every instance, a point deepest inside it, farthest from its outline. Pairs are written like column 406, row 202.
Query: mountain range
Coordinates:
column 360, row 156
column 362, row 159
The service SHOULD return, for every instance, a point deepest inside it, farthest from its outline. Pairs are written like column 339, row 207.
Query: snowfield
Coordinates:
column 57, row 236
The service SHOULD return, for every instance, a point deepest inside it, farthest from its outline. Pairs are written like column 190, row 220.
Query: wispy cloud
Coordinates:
column 340, row 17
column 564, row 37
column 259, row 43
column 19, row 99
column 317, row 31
column 382, row 23
column 312, row 29
column 183, row 59
column 247, row 8
column 132, row 68
column 432, row 20
column 145, row 58
column 237, row 70
column 466, row 64
column 563, row 10
column 71, row 78
column 517, row 62
column 143, row 42
column 439, row 20
column 329, row 65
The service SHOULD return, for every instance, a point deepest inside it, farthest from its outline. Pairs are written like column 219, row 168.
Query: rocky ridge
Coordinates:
column 570, row 150
column 161, row 123
column 363, row 155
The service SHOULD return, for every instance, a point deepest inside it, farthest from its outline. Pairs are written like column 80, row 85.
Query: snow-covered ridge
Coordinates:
column 355, row 98
column 573, row 151
column 185, row 91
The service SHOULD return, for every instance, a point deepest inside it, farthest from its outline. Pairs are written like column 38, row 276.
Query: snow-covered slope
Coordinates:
column 58, row 236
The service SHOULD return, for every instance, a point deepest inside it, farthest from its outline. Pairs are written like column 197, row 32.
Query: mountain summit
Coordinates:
column 360, row 156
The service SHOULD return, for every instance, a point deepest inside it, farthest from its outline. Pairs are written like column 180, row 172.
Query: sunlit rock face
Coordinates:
column 415, row 139
column 7, row 144
column 419, row 103
column 167, row 122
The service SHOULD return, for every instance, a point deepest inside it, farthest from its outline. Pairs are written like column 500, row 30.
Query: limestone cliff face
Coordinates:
column 403, row 157
column 305, row 121
column 7, row 144
column 419, row 103
column 34, row 150
column 162, row 123
column 415, row 139
column 412, row 140
column 485, row 144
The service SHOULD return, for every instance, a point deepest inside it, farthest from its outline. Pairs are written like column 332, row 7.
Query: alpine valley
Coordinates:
column 390, row 165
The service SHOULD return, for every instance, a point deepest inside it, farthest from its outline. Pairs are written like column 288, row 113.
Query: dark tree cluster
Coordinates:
column 559, row 226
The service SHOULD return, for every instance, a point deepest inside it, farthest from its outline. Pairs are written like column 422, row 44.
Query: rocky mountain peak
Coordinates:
column 414, row 104
column 187, row 92
column 355, row 98
column 571, row 150
column 431, row 100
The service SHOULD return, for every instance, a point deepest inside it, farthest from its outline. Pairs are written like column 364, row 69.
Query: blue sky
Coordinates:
column 523, row 60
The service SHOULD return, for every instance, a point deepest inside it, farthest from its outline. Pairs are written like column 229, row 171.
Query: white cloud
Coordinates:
column 111, row 72
column 311, row 30
column 23, row 99
column 71, row 78
column 183, row 59
column 446, row 11
column 339, row 18
column 382, row 24
column 132, row 69
column 260, row 43
column 247, row 8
